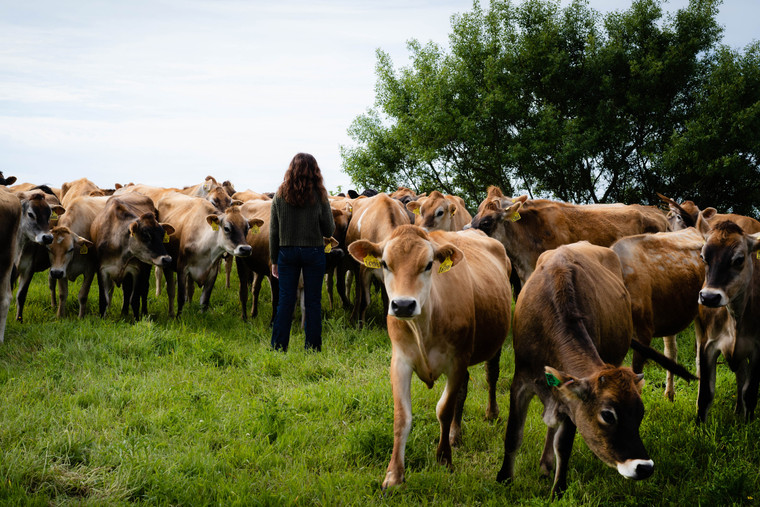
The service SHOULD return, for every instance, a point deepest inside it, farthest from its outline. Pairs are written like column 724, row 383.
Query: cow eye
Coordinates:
column 31, row 215
column 439, row 213
column 429, row 266
column 608, row 416
column 738, row 262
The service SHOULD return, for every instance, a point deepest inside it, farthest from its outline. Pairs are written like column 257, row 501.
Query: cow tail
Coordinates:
column 662, row 360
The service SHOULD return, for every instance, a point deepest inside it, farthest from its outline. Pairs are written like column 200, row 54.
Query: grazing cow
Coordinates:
column 571, row 331
column 686, row 214
column 527, row 228
column 202, row 236
column 663, row 274
column 439, row 212
column 372, row 219
column 449, row 309
column 257, row 266
column 10, row 218
column 128, row 239
column 730, row 319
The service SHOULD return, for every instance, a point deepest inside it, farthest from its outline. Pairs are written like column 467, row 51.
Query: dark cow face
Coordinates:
column 728, row 255
column 36, row 214
column 148, row 238
column 232, row 228
column 407, row 260
column 607, row 410
column 61, row 251
column 219, row 198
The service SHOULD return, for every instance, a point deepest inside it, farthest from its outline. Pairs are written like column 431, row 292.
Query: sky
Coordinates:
column 166, row 92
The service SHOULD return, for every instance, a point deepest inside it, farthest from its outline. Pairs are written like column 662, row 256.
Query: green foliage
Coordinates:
column 568, row 103
column 199, row 411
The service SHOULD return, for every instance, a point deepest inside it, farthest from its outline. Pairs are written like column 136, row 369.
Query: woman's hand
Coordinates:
column 275, row 271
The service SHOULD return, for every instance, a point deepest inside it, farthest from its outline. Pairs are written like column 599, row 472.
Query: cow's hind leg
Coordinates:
column 671, row 351
column 445, row 410
column 546, row 465
column 455, row 434
column 519, row 398
column 492, row 377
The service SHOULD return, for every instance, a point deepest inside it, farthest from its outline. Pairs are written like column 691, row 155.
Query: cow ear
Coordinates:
column 133, row 227
column 168, row 229
column 213, row 221
column 522, row 198
column 570, row 388
column 414, row 207
column 703, row 221
column 446, row 253
column 494, row 191
column 57, row 209
column 512, row 214
column 362, row 250
column 80, row 242
column 452, row 209
column 753, row 243
column 10, row 180
column 332, row 242
column 257, row 222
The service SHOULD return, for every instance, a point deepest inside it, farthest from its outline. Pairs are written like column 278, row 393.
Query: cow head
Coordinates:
column 606, row 408
column 407, row 259
column 232, row 228
column 148, row 238
column 729, row 256
column 36, row 214
column 496, row 211
column 219, row 197
column 65, row 245
column 435, row 212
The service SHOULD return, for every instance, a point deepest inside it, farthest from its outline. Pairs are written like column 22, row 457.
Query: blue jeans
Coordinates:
column 291, row 262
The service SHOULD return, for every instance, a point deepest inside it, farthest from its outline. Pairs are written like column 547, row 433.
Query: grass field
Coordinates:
column 199, row 411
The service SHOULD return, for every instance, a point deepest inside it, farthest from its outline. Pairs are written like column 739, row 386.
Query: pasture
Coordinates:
column 199, row 411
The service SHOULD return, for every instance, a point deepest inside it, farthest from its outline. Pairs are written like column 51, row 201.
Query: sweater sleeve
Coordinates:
column 326, row 222
column 274, row 233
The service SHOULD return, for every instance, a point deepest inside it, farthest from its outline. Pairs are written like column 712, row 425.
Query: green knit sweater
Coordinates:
column 294, row 226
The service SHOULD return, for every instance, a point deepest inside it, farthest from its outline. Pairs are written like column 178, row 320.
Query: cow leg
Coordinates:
column 189, row 289
column 105, row 290
column 170, row 289
column 258, row 279
column 563, row 446
column 181, row 288
column 671, row 351
column 329, row 283
column 445, row 410
column 750, row 393
column 340, row 284
column 158, row 271
column 5, row 298
column 492, row 377
column 227, row 270
column 63, row 295
column 243, row 273
column 401, row 381
column 129, row 287
column 142, row 287
column 519, row 398
column 708, row 359
column 546, row 464
column 52, row 282
column 205, row 299
column 84, row 291
column 25, row 278
column 742, row 381
column 455, row 435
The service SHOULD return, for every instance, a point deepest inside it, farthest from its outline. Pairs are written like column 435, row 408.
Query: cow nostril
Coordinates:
column 47, row 239
column 56, row 273
column 403, row 307
column 166, row 260
column 709, row 299
column 245, row 250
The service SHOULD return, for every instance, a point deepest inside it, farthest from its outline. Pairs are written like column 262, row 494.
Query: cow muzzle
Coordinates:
column 404, row 308
column 44, row 239
column 57, row 274
column 712, row 298
column 163, row 261
column 636, row 469
column 243, row 251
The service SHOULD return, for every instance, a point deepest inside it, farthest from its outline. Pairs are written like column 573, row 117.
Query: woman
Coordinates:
column 301, row 217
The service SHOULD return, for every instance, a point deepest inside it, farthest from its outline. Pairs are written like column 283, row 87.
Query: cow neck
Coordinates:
column 579, row 355
column 427, row 375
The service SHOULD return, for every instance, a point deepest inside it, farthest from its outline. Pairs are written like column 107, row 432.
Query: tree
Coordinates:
column 534, row 98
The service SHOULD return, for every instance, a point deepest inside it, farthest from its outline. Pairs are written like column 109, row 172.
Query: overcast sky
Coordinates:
column 165, row 92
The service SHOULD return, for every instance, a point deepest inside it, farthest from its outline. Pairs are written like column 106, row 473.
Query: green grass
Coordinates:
column 199, row 411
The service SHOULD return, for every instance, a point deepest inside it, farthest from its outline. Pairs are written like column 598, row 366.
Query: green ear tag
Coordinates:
column 255, row 229
column 83, row 250
column 372, row 262
column 552, row 380
column 328, row 248
column 515, row 216
column 446, row 265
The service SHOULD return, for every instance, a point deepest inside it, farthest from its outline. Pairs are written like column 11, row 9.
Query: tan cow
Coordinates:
column 527, row 228
column 202, row 236
column 572, row 328
column 373, row 219
column 78, row 188
column 10, row 218
column 257, row 266
column 128, row 240
column 449, row 309
column 663, row 274
column 686, row 214
column 438, row 212
column 729, row 313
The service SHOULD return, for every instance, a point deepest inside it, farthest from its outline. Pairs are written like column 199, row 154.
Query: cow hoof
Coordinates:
column 670, row 395
column 492, row 415
column 392, row 479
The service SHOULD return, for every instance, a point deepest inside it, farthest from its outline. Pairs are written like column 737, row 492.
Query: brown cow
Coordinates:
column 440, row 212
column 10, row 218
column 686, row 214
column 128, row 240
column 257, row 266
column 373, row 219
column 663, row 274
column 449, row 309
column 572, row 328
column 527, row 228
column 78, row 188
column 202, row 236
column 731, row 317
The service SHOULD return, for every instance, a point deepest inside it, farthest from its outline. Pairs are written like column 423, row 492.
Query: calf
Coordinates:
column 10, row 218
column 572, row 329
column 449, row 309
column 730, row 314
column 663, row 274
column 202, row 236
column 128, row 240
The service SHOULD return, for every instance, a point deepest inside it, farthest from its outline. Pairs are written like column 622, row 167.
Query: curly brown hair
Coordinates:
column 303, row 183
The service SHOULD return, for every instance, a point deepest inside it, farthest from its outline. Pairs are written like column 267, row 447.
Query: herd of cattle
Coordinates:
column 590, row 282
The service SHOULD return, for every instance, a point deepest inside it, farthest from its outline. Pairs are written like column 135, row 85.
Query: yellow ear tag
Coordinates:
column 328, row 248
column 166, row 237
column 416, row 211
column 83, row 250
column 207, row 187
column 53, row 215
column 255, row 229
column 215, row 226
column 446, row 265
column 453, row 212
column 372, row 262
column 350, row 208
column 758, row 254
column 515, row 216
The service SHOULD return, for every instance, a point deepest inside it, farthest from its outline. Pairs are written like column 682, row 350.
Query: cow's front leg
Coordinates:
column 401, row 381
column 563, row 446
column 671, row 351
column 445, row 410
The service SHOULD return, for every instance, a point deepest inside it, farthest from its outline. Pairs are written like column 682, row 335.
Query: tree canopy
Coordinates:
column 570, row 104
